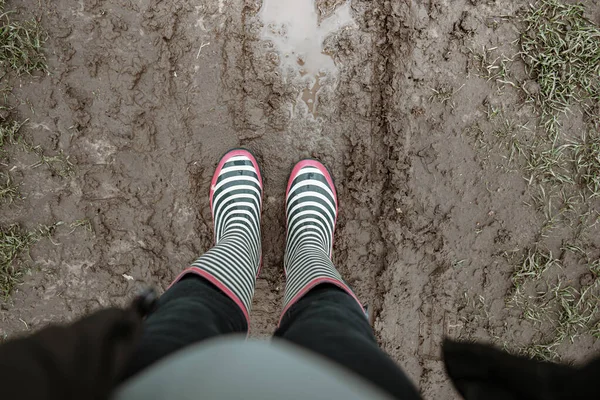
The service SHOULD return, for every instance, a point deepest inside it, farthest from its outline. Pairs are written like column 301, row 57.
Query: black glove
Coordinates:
column 482, row 372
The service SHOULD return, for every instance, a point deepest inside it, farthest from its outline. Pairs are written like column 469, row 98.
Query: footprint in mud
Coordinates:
column 298, row 35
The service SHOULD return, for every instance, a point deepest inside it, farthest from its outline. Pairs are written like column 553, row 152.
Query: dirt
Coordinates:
column 144, row 97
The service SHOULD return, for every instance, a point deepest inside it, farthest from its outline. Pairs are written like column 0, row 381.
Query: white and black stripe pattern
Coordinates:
column 311, row 211
column 236, row 199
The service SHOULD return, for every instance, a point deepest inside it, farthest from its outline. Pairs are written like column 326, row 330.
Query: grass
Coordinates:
column 561, row 52
column 507, row 133
column 586, row 162
column 10, row 132
column 592, row 263
column 444, row 95
column 563, row 179
column 594, row 267
column 535, row 262
column 540, row 351
column 560, row 312
column 494, row 68
column 561, row 49
column 576, row 310
column 563, row 313
column 9, row 191
column 473, row 311
column 14, row 241
column 530, row 270
column 21, row 44
column 536, row 310
column 21, row 52
column 547, row 166
column 84, row 223
column 59, row 164
column 595, row 331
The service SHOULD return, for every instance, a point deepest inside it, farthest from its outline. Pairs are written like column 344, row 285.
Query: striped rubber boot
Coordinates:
column 233, row 264
column 311, row 211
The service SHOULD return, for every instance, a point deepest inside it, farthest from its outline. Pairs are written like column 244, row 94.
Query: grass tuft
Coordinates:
column 84, row 223
column 9, row 191
column 493, row 68
column 566, row 311
column 540, row 351
column 576, row 310
column 59, row 164
column 444, row 95
column 10, row 132
column 594, row 267
column 21, row 44
column 14, row 241
column 562, row 51
column 547, row 166
column 595, row 331
column 534, row 264
column 586, row 162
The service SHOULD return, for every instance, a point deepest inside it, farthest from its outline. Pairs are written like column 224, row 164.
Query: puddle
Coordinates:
column 293, row 27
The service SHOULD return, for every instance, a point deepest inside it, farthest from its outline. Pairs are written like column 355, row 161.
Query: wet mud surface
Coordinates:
column 145, row 96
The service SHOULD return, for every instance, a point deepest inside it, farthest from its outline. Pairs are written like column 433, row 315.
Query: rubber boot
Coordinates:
column 311, row 211
column 233, row 264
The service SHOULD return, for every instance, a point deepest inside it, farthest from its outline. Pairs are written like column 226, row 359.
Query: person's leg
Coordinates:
column 321, row 313
column 213, row 296
column 191, row 311
column 329, row 322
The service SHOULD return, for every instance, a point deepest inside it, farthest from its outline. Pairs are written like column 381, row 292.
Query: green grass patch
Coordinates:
column 558, row 311
column 540, row 351
column 21, row 44
column 585, row 157
column 84, row 223
column 561, row 314
column 14, row 242
column 10, row 131
column 561, row 49
column 11, row 134
column 535, row 262
column 576, row 310
column 9, row 191
column 60, row 164
column 561, row 52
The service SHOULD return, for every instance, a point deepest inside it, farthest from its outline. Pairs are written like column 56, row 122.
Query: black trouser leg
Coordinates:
column 189, row 312
column 329, row 322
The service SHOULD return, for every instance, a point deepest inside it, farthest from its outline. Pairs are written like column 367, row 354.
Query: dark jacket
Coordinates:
column 83, row 360
column 86, row 359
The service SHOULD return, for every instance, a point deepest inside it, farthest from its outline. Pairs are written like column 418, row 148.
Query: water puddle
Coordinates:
column 294, row 28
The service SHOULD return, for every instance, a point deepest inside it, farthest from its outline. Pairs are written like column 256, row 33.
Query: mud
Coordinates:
column 144, row 96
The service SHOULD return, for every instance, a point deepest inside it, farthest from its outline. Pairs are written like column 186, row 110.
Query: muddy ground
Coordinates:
column 144, row 96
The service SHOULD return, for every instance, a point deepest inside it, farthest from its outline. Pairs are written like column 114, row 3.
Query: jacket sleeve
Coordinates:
column 78, row 361
column 480, row 372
